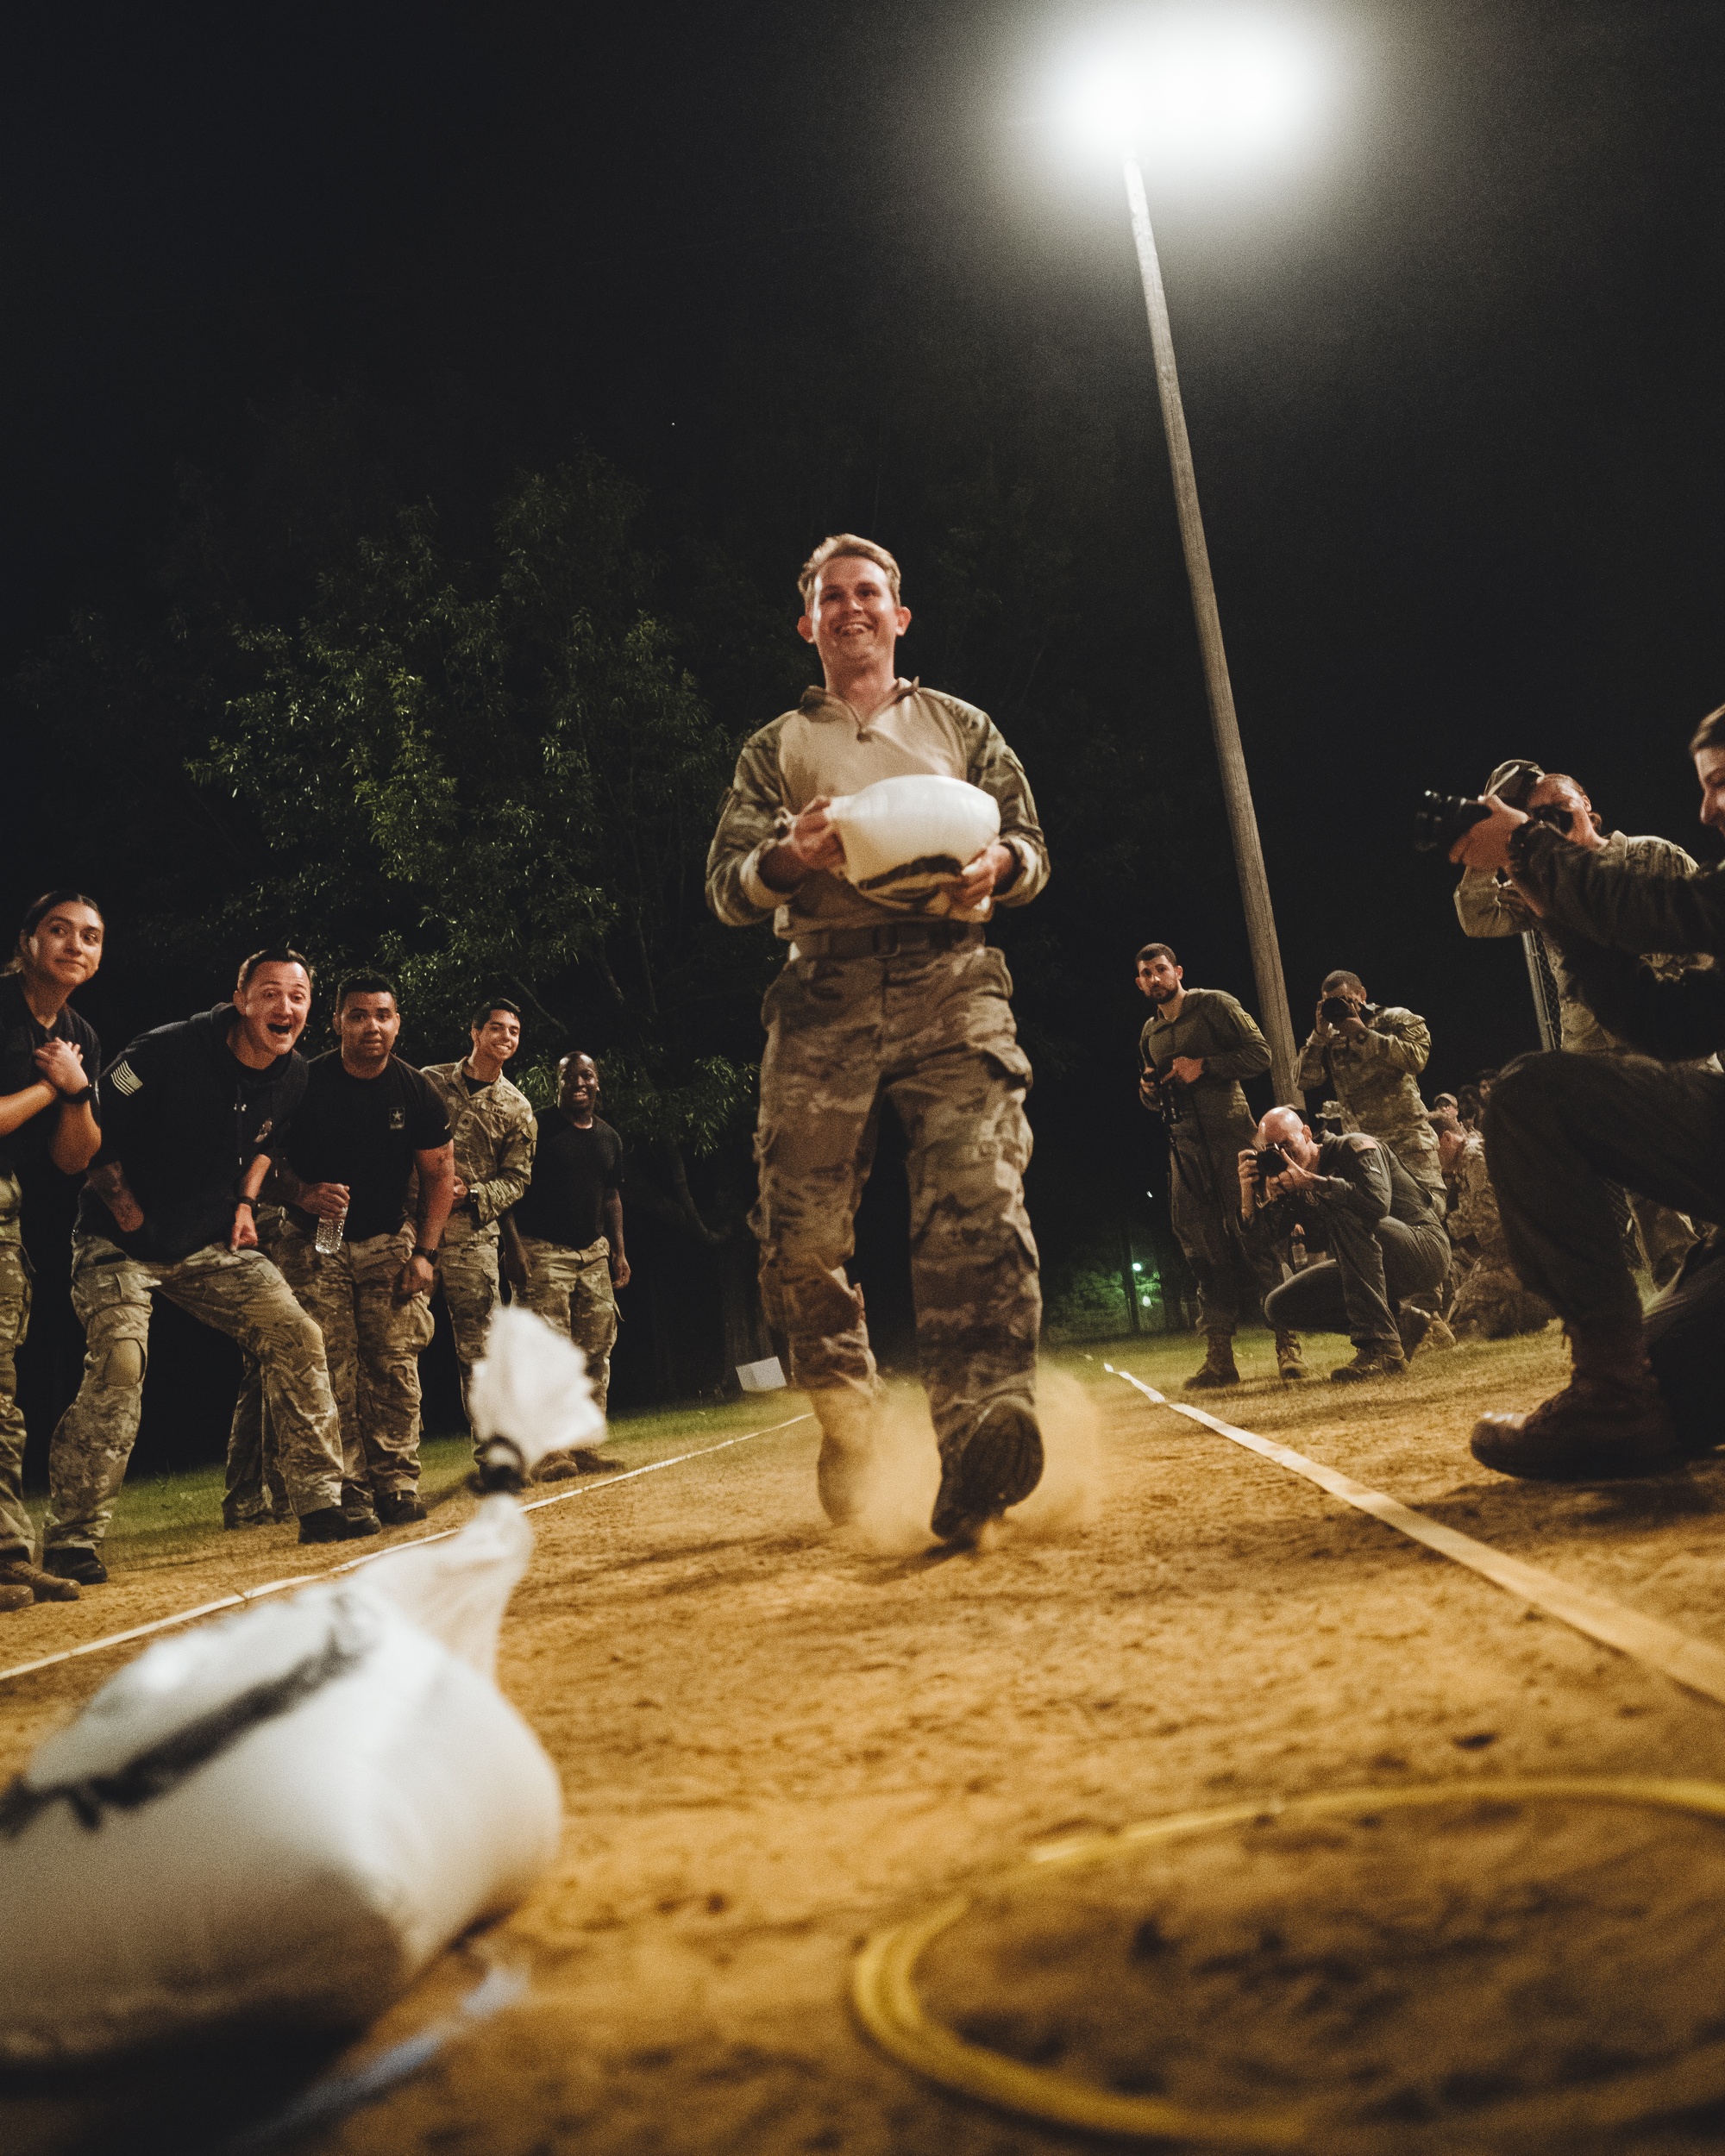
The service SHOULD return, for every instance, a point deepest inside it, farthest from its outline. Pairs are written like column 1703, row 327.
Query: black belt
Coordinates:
column 878, row 943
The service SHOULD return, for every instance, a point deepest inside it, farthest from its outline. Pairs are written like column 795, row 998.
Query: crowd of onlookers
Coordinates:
column 309, row 1208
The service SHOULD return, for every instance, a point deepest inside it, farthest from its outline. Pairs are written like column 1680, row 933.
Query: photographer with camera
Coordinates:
column 1562, row 1128
column 1487, row 904
column 1196, row 1046
column 1370, row 1060
column 1386, row 1243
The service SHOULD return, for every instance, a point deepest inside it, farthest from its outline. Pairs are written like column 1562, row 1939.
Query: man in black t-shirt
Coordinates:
column 368, row 1122
column 191, row 1116
column 570, row 1220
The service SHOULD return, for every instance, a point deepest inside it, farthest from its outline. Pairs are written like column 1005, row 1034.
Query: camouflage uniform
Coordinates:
column 1377, row 1081
column 239, row 1293
column 373, row 1344
column 17, row 1534
column 1487, row 907
column 256, row 1490
column 572, row 1290
column 1490, row 1303
column 871, row 1005
column 1209, row 1124
column 493, row 1133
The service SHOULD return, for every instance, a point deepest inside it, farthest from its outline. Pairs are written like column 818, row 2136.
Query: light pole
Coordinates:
column 1210, row 84
column 1260, row 917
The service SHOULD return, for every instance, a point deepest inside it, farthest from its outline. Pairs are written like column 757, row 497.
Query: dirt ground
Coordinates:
column 775, row 1740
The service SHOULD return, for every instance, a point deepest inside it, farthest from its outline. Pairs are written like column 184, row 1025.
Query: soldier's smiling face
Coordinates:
column 578, row 1089
column 1159, row 978
column 852, row 616
column 499, row 1036
column 65, row 945
column 368, row 1026
column 274, row 1005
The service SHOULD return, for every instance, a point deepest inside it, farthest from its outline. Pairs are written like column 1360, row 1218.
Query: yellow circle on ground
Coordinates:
column 884, row 1993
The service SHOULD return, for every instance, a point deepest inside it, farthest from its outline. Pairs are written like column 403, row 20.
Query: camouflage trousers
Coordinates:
column 467, row 1271
column 931, row 1032
column 17, row 1534
column 239, row 1293
column 254, row 1489
column 571, row 1289
column 373, row 1344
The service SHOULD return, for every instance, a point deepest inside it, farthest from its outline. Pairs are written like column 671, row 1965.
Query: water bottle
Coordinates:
column 327, row 1239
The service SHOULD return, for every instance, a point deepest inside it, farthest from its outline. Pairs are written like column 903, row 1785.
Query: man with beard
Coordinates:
column 1196, row 1046
column 191, row 1116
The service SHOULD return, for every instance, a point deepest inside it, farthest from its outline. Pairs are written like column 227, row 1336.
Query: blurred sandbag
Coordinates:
column 904, row 837
column 277, row 1818
column 531, row 1393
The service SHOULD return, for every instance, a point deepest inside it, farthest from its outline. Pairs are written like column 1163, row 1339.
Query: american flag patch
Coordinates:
column 125, row 1079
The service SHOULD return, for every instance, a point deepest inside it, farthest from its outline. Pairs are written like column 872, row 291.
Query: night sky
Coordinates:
column 1452, row 378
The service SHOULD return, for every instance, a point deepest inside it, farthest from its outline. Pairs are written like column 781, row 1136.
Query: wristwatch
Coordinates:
column 420, row 1250
column 78, row 1100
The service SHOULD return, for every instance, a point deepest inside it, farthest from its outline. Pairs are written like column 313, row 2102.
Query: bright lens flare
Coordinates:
column 1202, row 88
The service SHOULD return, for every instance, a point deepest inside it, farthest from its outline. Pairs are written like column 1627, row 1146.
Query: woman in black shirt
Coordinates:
column 49, row 1058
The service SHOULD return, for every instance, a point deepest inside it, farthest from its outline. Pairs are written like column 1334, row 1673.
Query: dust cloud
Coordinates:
column 904, row 1476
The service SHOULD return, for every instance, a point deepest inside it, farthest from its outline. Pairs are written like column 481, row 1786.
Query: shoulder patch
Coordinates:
column 125, row 1079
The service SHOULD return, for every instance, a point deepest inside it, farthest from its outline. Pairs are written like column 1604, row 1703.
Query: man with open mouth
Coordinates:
column 192, row 1115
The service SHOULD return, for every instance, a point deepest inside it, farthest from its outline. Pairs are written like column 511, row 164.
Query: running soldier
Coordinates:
column 570, row 1222
column 1196, row 1046
column 491, row 1126
column 1487, row 904
column 872, row 1005
column 367, row 1124
column 190, row 1114
column 1370, row 1060
column 49, row 1058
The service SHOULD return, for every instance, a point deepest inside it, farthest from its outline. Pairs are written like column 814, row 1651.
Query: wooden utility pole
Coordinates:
column 1260, row 919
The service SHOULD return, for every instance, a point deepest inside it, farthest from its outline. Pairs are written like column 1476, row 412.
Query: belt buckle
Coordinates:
column 886, row 938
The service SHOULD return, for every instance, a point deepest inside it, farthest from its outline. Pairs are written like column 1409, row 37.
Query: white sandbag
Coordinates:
column 531, row 1392
column 903, row 837
column 279, row 1818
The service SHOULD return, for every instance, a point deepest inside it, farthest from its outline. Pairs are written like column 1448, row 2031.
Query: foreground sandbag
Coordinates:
column 903, row 837
column 280, row 1819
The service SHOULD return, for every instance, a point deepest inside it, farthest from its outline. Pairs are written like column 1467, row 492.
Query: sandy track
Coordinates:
column 773, row 1741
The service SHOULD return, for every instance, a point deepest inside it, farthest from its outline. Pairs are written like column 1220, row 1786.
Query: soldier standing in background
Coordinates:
column 874, row 1007
column 1196, row 1046
column 1487, row 905
column 1490, row 1303
column 1370, row 1060
column 49, row 1056
column 367, row 1122
column 491, row 1126
column 570, row 1221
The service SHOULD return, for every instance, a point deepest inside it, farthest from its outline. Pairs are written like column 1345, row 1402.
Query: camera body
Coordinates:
column 1337, row 1011
column 1442, row 818
column 1268, row 1160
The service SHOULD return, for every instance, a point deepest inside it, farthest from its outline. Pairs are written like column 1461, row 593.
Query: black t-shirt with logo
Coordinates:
column 364, row 1132
column 26, row 1149
column 572, row 1169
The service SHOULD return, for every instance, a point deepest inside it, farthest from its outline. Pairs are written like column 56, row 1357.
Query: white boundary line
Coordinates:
column 307, row 1579
column 1691, row 1662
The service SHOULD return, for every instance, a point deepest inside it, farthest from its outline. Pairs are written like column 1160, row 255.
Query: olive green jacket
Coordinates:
column 1211, row 1112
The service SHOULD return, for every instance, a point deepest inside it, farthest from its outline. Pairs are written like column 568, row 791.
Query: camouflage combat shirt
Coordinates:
column 493, row 1130
column 823, row 747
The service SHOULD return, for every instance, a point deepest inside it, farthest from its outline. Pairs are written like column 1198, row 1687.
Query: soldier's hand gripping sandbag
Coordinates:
column 280, row 1819
column 906, row 839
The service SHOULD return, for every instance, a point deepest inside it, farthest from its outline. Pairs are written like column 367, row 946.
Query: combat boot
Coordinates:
column 16, row 1598
column 578, row 1459
column 1380, row 1361
column 998, row 1463
column 330, row 1523
column 41, row 1587
column 398, row 1509
column 1609, row 1420
column 1290, row 1364
column 71, row 1563
column 1219, row 1364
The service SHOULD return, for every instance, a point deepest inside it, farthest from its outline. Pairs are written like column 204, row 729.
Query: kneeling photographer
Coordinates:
column 1353, row 1198
column 1561, row 1129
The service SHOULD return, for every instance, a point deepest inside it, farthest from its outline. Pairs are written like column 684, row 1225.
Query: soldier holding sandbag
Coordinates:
column 888, row 997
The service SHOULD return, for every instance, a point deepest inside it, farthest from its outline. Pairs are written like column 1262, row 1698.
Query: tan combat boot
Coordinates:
column 849, row 1433
column 40, row 1586
column 1610, row 1420
column 1289, row 1364
column 16, row 1598
column 1219, row 1364
column 1382, row 1361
